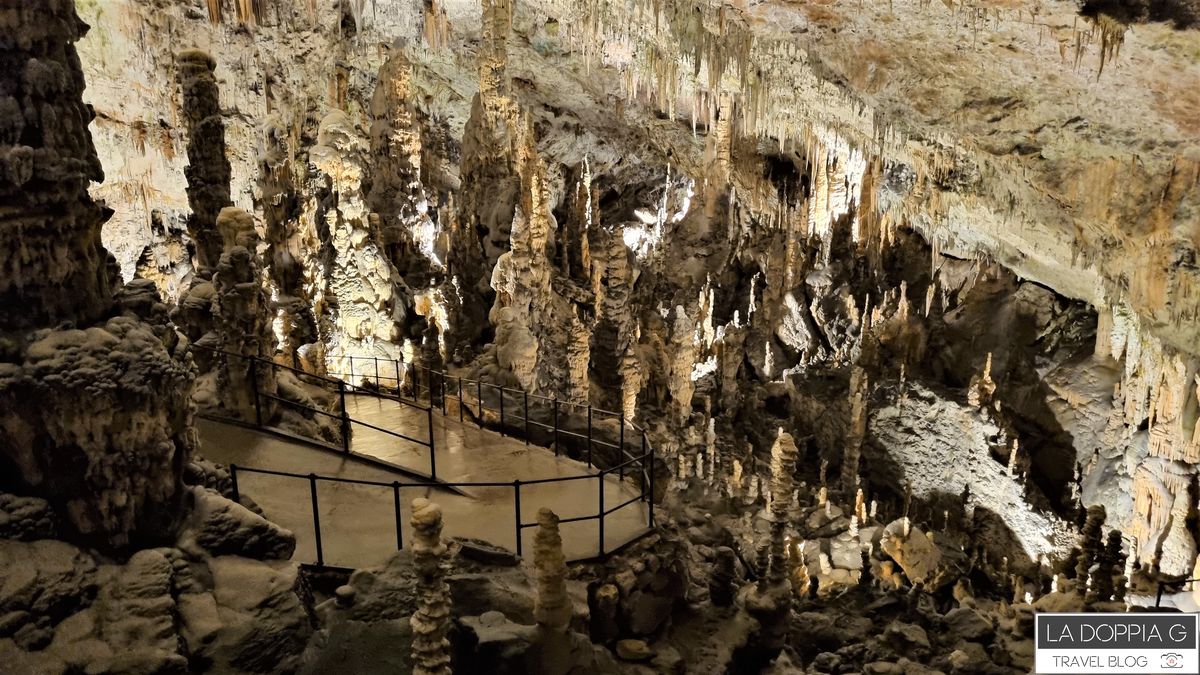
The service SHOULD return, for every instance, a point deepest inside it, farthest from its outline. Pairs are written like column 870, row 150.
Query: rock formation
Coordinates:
column 76, row 374
column 431, row 621
column 208, row 171
column 365, row 298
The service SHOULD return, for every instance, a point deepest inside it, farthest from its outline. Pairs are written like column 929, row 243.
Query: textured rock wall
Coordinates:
column 52, row 267
column 95, row 407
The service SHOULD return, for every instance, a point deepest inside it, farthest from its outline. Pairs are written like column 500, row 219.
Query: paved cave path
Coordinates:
column 358, row 526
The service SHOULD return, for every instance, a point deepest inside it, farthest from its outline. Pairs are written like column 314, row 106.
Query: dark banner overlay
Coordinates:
column 1116, row 631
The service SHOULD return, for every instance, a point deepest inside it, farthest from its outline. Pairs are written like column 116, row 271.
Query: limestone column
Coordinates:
column 208, row 172
column 94, row 411
column 431, row 622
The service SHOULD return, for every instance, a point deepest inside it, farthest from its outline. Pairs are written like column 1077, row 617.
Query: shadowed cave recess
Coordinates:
column 566, row 337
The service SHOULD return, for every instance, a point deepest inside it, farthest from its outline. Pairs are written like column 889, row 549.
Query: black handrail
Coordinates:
column 342, row 414
column 646, row 460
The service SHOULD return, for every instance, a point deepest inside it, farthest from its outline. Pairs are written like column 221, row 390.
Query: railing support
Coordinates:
column 526, row 416
column 651, row 480
column 345, row 416
column 432, row 454
column 312, row 488
column 442, row 388
column 396, row 504
column 621, row 451
column 517, row 511
column 589, row 437
column 502, row 412
column 378, row 386
column 460, row 399
column 479, row 399
column 233, row 484
column 642, row 474
column 556, row 426
column 601, row 518
column 258, row 421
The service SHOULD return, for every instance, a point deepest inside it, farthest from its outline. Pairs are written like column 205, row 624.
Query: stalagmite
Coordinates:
column 431, row 621
column 770, row 601
column 859, row 391
column 93, row 402
column 552, row 608
column 242, row 321
column 369, row 296
column 208, row 171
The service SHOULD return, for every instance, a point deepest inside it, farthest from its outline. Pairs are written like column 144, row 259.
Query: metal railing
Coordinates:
column 516, row 411
column 640, row 465
column 259, row 367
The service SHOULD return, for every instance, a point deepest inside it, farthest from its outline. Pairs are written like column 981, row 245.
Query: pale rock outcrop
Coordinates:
column 219, row 526
column 365, row 302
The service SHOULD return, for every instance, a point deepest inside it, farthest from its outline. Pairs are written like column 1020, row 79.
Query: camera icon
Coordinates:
column 1172, row 660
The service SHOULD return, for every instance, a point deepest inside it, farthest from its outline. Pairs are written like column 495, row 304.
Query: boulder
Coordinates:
column 223, row 527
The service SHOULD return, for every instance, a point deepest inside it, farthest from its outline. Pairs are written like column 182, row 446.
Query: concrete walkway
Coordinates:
column 358, row 525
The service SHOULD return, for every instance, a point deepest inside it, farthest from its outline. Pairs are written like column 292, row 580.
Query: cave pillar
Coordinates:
column 94, row 398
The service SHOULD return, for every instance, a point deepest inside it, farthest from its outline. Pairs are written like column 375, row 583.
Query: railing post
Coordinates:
column 621, row 452
column 1158, row 597
column 589, row 437
column 651, row 502
column 233, row 484
column 442, row 387
column 312, row 488
column 642, row 473
column 460, row 400
column 502, row 411
column 479, row 397
column 556, row 426
column 377, row 385
column 526, row 394
column 396, row 504
column 517, row 511
column 257, row 403
column 432, row 454
column 345, row 417
column 396, row 363
column 295, row 359
column 601, row 519
column 351, row 370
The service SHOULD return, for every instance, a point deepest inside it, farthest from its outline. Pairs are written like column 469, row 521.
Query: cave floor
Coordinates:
column 358, row 524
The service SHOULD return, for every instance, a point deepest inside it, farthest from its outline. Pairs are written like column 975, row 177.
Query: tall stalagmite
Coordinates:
column 770, row 601
column 93, row 400
column 290, row 246
column 208, row 171
column 431, row 621
column 365, row 297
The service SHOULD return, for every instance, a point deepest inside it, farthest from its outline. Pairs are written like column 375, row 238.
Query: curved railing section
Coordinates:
column 544, row 420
